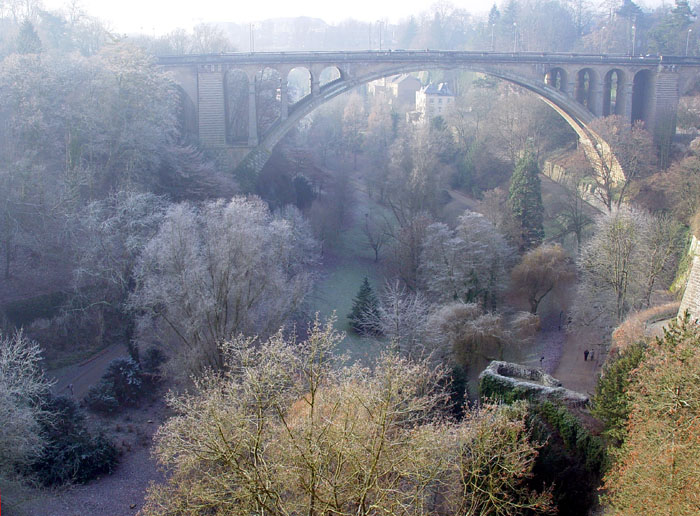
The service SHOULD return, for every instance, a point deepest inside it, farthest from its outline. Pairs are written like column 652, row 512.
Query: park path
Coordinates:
column 85, row 374
column 573, row 371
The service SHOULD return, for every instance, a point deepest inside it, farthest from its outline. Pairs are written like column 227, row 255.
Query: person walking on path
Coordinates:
column 585, row 355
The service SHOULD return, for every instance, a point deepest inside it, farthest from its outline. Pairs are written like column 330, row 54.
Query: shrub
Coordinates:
column 126, row 378
column 120, row 386
column 100, row 398
column 152, row 359
column 611, row 404
column 71, row 454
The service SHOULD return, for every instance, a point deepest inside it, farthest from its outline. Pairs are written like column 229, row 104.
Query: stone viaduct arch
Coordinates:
column 579, row 87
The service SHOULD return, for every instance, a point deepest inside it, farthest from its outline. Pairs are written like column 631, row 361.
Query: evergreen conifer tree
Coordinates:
column 28, row 41
column 365, row 309
column 525, row 202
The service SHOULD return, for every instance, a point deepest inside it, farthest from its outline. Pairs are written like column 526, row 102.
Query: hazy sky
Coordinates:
column 161, row 16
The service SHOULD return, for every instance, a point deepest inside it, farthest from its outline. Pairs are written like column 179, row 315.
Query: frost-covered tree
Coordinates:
column 630, row 253
column 22, row 385
column 281, row 431
column 467, row 264
column 219, row 270
column 109, row 237
column 402, row 317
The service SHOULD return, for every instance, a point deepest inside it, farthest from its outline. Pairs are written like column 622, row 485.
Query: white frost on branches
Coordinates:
column 466, row 264
column 217, row 271
column 22, row 385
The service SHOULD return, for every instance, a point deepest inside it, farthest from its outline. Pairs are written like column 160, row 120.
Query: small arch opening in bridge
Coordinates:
column 236, row 99
column 641, row 90
column 613, row 101
column 584, row 88
column 328, row 75
column 556, row 78
column 298, row 84
column 267, row 97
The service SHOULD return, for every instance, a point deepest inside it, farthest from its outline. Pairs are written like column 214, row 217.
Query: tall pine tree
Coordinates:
column 525, row 202
column 365, row 310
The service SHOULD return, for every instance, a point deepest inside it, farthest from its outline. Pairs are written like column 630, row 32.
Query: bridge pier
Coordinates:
column 626, row 97
column 596, row 96
column 666, row 98
column 210, row 101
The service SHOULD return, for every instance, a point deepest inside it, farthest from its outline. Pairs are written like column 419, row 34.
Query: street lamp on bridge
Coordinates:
column 687, row 41
column 515, row 37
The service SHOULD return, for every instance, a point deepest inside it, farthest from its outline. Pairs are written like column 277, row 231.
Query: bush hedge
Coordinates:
column 120, row 386
column 71, row 453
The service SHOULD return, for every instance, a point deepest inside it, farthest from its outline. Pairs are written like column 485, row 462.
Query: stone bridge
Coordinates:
column 580, row 87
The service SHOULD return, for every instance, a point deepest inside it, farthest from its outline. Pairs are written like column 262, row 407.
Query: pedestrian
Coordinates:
column 585, row 355
column 541, row 360
column 590, row 355
column 70, row 388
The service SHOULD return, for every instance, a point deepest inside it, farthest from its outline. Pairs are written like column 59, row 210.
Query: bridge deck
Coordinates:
column 409, row 56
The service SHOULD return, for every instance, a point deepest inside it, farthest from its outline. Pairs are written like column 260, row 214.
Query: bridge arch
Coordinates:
column 613, row 92
column 586, row 81
column 268, row 98
column 186, row 114
column 236, row 99
column 557, row 79
column 575, row 114
column 641, row 95
column 328, row 75
column 298, row 84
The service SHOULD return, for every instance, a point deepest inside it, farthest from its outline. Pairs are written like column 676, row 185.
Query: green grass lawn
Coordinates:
column 346, row 266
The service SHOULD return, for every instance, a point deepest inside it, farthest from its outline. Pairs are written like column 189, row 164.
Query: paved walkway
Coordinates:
column 86, row 373
column 574, row 372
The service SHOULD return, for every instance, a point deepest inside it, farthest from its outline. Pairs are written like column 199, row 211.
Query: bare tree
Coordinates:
column 377, row 235
column 625, row 155
column 217, row 271
column 542, row 270
column 354, row 124
column 22, row 385
column 576, row 213
column 402, row 317
column 466, row 264
column 464, row 332
column 663, row 243
column 629, row 253
column 281, row 432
